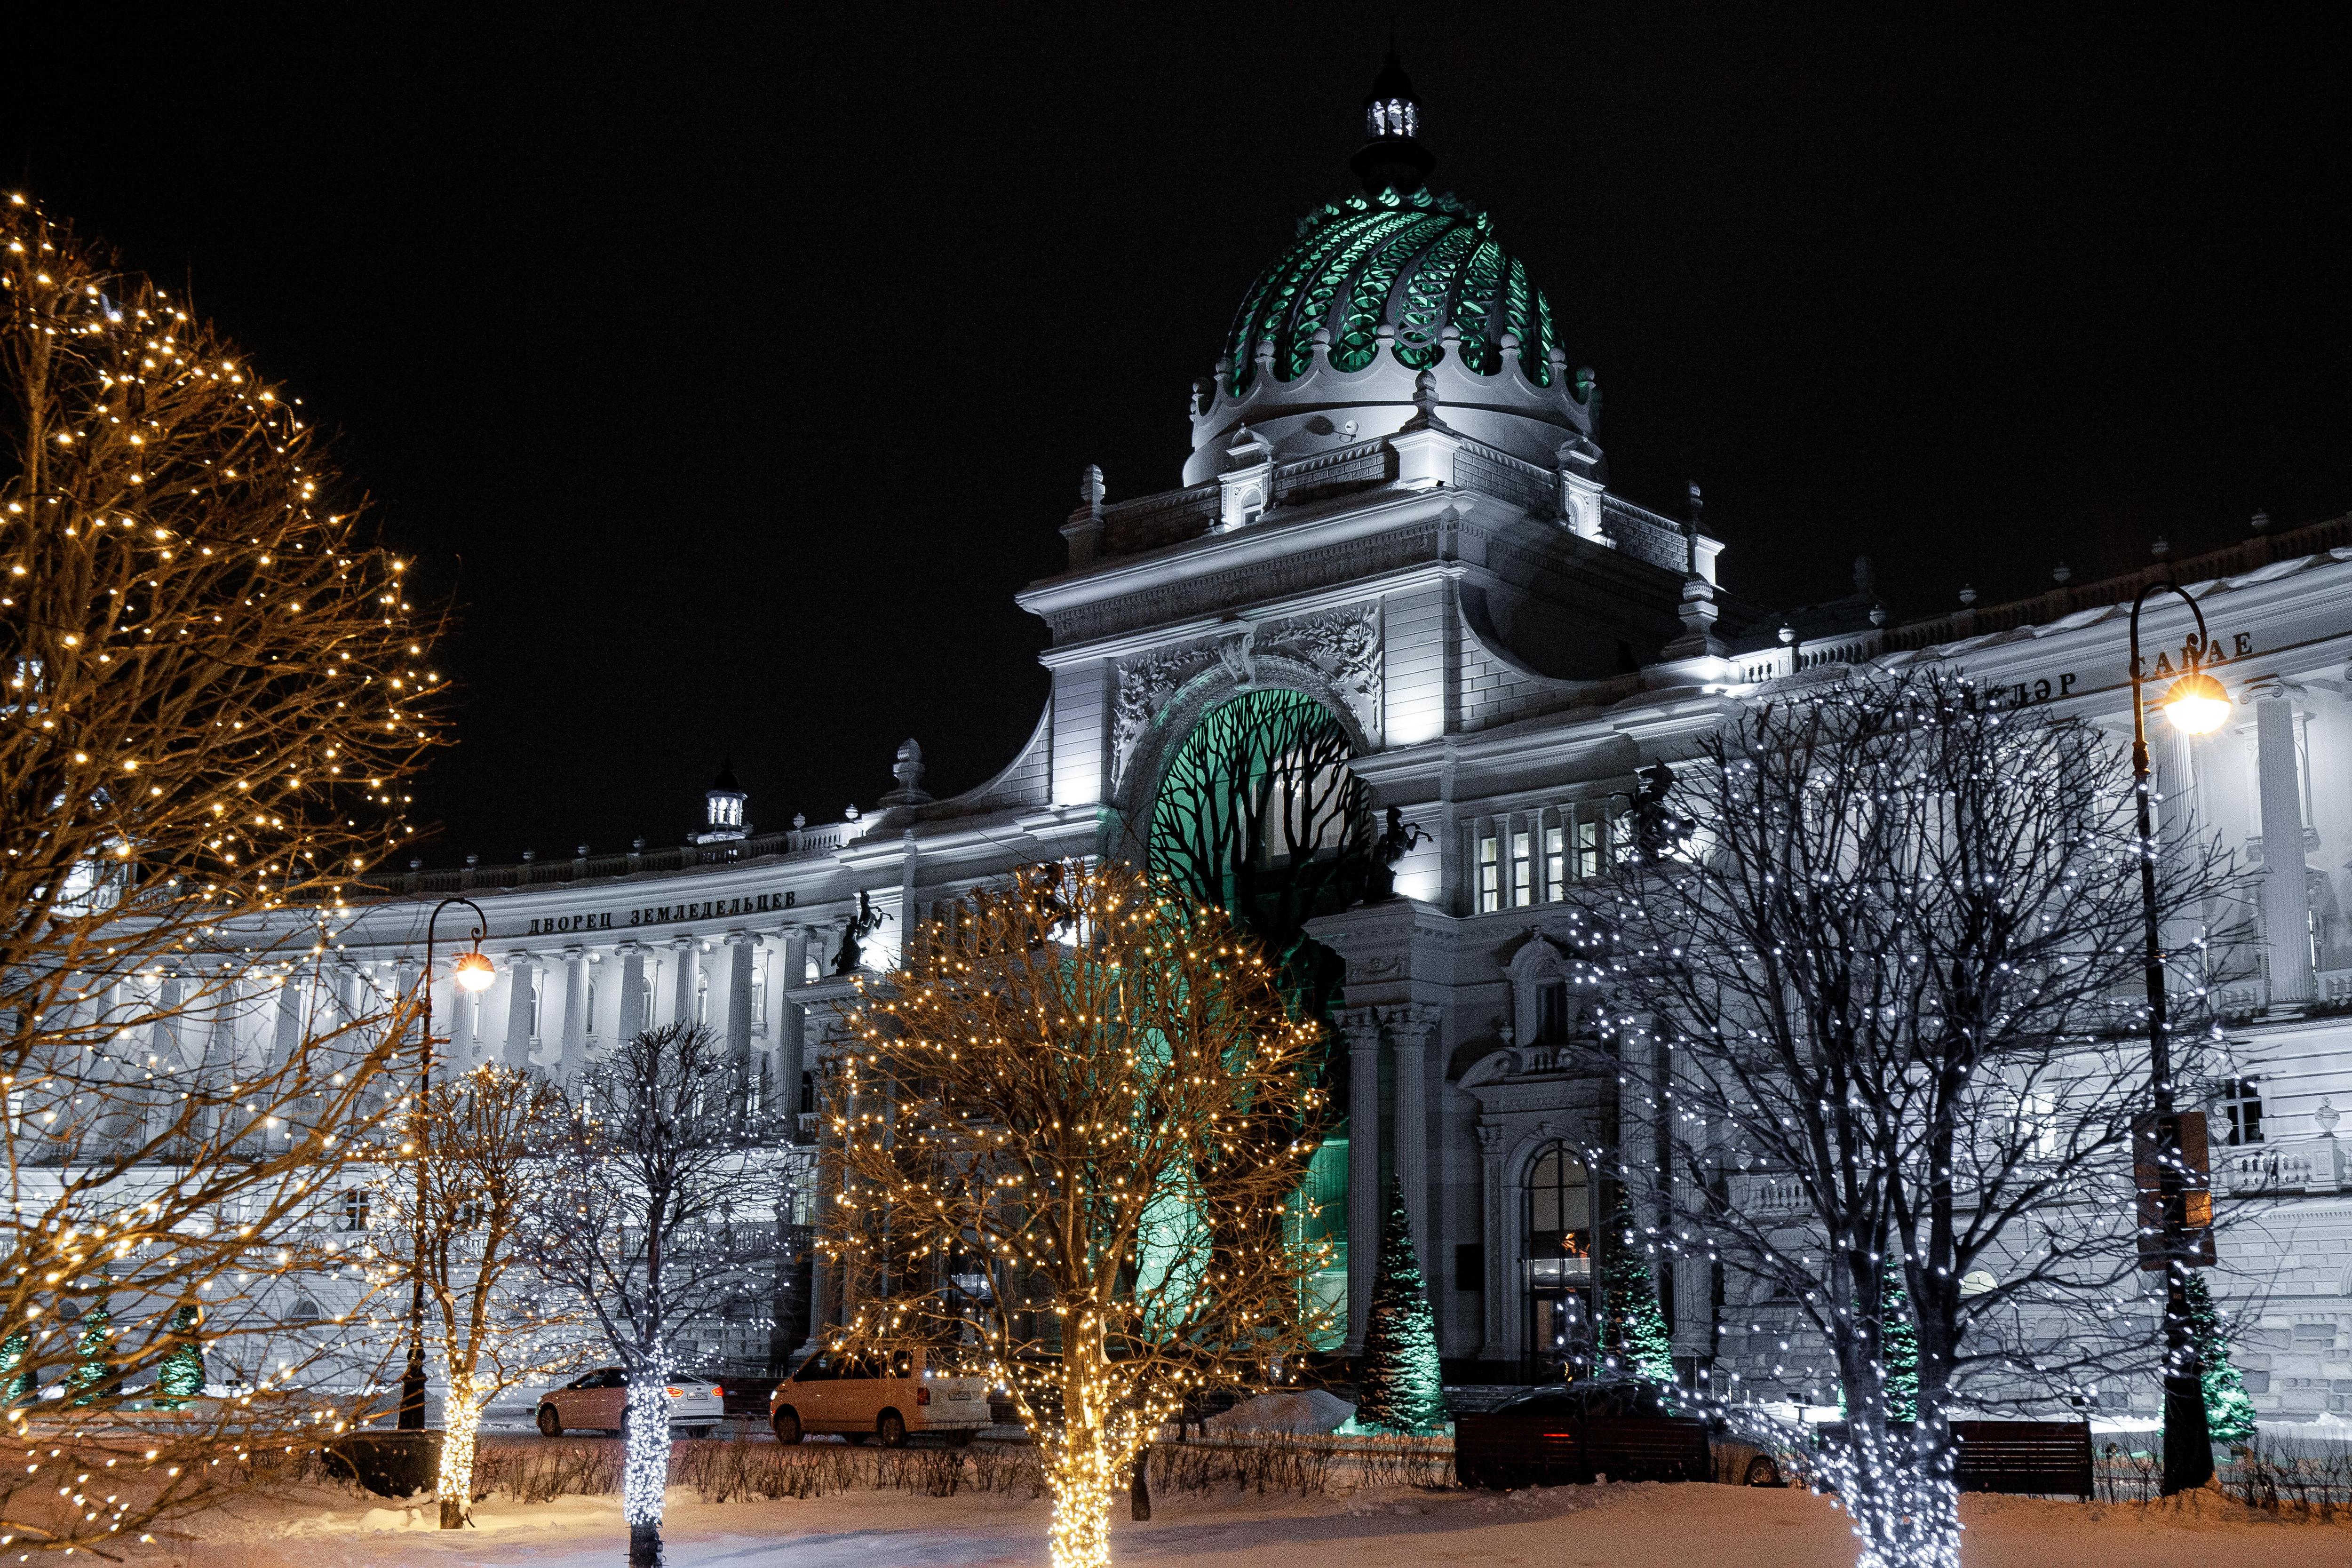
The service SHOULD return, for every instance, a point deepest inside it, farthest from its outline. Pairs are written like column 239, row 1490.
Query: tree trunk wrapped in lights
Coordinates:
column 484, row 1141
column 1873, row 993
column 1401, row 1389
column 668, row 1194
column 216, row 694
column 1067, row 1135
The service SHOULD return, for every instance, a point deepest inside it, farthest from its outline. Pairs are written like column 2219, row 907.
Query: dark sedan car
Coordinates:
column 1574, row 1433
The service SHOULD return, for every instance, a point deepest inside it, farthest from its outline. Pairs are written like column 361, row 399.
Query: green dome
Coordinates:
column 1416, row 263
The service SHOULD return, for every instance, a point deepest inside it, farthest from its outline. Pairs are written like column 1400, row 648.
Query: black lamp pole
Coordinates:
column 412, row 1381
column 2187, row 1446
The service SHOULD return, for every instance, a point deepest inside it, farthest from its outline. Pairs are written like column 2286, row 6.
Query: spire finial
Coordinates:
column 1392, row 160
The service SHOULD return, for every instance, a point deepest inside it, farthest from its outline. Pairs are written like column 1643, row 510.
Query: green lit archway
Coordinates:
column 1260, row 813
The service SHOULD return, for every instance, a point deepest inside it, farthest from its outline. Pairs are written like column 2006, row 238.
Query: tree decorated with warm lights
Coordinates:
column 1633, row 1341
column 1401, row 1389
column 1090, row 1091
column 483, row 1142
column 217, row 692
column 2229, row 1409
column 667, row 1220
column 1873, row 994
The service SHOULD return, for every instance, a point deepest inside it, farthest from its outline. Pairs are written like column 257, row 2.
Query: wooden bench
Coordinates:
column 2033, row 1458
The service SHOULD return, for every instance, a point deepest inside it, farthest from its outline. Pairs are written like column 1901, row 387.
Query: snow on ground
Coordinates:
column 1643, row 1526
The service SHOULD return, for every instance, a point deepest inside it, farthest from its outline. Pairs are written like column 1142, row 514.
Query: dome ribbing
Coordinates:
column 1414, row 263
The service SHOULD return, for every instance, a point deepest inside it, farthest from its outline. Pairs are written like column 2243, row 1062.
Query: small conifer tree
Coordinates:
column 93, row 1367
column 1400, row 1391
column 1633, row 1338
column 19, row 1385
column 181, row 1377
column 1899, row 1347
column 2229, row 1409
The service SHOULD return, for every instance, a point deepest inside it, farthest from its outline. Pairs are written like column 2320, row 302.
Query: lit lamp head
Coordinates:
column 2196, row 703
column 475, row 971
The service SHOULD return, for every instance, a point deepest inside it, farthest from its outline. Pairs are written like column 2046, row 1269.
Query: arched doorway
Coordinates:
column 1260, row 813
column 1556, row 1262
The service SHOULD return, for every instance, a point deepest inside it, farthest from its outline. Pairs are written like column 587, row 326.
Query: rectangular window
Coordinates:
column 1469, row 1266
column 1588, row 849
column 356, row 1209
column 1522, row 869
column 1551, row 1014
column 2241, row 1110
column 1490, row 887
column 1555, row 871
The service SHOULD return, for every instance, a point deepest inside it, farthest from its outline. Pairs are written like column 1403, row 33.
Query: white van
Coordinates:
column 886, row 1395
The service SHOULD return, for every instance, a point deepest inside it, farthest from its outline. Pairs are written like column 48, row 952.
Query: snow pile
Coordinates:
column 1303, row 1410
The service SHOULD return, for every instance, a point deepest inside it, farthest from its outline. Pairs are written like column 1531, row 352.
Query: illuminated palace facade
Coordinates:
column 1395, row 542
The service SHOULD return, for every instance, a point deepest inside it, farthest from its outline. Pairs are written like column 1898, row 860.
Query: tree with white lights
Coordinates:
column 216, row 693
column 1069, row 1133
column 665, row 1218
column 1873, row 996
column 484, row 1141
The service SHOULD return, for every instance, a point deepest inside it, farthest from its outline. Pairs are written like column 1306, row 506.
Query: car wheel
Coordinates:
column 1762, row 1472
column 890, row 1429
column 787, row 1422
column 550, row 1425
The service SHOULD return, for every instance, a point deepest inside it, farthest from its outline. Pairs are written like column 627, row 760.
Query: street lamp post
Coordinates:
column 2195, row 704
column 475, row 972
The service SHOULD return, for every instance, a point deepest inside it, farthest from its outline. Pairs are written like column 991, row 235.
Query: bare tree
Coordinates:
column 215, row 693
column 483, row 1144
column 1261, row 815
column 1883, row 999
column 1071, row 1137
column 667, row 1219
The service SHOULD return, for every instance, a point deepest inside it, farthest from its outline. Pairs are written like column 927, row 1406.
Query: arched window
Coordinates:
column 1556, row 1256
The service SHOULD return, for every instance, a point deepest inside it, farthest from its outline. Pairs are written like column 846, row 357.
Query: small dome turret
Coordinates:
column 722, row 808
column 1393, row 159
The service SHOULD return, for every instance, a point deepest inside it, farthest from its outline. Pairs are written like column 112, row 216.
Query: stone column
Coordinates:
column 1362, row 1027
column 790, row 1030
column 690, row 970
column 1502, row 1268
column 820, row 1302
column 522, row 976
column 742, row 951
column 2172, row 775
column 1411, row 1029
column 463, row 1041
column 633, row 989
column 2286, row 902
column 286, row 1037
column 575, row 1016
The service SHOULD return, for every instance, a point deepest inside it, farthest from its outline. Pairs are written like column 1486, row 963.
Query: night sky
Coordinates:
column 730, row 367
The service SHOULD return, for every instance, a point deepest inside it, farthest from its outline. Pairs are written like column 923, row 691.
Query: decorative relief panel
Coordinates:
column 1345, row 645
column 1341, row 645
column 1146, row 682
